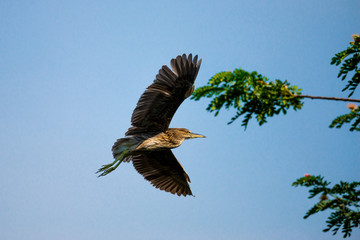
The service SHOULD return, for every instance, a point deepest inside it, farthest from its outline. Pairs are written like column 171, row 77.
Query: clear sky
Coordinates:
column 71, row 73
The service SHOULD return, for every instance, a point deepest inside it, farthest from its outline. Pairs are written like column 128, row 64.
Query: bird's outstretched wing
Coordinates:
column 158, row 104
column 163, row 171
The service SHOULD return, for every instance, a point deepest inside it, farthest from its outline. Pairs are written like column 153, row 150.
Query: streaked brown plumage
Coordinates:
column 149, row 141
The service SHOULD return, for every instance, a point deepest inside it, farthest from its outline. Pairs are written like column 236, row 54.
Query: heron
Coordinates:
column 148, row 142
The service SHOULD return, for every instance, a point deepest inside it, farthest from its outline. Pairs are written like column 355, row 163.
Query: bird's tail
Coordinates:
column 124, row 144
column 122, row 153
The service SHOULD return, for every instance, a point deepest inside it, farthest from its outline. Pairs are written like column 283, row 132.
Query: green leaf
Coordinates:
column 343, row 200
column 354, row 115
column 250, row 94
column 350, row 59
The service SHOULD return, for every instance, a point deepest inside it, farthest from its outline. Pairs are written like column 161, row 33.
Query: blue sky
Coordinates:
column 71, row 73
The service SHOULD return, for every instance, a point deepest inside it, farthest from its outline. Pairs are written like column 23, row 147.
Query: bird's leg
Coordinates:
column 108, row 168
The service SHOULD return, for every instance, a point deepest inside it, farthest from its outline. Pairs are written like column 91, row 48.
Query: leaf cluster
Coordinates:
column 347, row 118
column 343, row 199
column 250, row 94
column 350, row 59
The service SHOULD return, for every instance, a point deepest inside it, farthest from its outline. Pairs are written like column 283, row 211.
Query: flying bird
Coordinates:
column 149, row 141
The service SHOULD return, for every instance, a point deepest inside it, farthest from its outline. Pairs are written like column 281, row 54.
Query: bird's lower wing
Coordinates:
column 163, row 171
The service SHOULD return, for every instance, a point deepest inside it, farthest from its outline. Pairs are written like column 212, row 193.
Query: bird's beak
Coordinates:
column 195, row 135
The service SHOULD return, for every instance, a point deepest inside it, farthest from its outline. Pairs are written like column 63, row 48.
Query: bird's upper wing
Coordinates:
column 163, row 171
column 158, row 104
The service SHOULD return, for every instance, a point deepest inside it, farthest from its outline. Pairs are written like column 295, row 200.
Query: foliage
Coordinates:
column 250, row 94
column 343, row 199
column 350, row 64
column 347, row 118
column 253, row 94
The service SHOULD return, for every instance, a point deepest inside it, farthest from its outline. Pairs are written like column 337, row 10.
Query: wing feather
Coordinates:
column 158, row 104
column 163, row 170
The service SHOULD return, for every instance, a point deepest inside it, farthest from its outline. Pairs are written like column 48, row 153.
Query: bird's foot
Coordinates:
column 108, row 168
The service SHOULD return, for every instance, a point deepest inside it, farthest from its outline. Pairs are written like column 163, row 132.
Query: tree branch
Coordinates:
column 328, row 98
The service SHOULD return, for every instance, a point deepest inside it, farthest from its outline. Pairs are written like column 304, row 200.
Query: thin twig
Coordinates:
column 328, row 98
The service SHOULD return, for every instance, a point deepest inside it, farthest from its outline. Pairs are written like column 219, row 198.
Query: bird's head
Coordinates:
column 187, row 134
